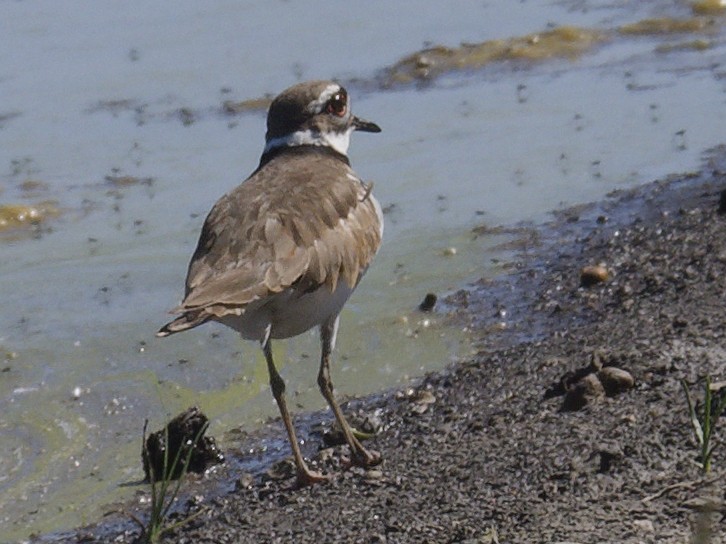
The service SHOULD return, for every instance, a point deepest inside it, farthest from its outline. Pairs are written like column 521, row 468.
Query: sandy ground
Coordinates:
column 492, row 450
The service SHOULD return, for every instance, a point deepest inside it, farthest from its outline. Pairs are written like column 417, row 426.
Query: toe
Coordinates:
column 309, row 477
column 367, row 458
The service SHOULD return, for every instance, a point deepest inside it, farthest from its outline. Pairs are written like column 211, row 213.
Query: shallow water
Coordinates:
column 91, row 92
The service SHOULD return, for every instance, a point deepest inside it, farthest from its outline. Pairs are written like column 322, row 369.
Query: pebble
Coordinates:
column 615, row 380
column 592, row 275
column 245, row 481
column 584, row 392
column 644, row 525
column 373, row 474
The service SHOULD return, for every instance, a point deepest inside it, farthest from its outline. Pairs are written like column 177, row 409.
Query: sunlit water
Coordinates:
column 90, row 90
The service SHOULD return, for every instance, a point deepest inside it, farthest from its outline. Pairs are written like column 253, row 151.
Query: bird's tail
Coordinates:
column 189, row 320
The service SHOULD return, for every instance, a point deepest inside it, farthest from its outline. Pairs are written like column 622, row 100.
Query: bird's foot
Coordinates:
column 310, row 477
column 363, row 458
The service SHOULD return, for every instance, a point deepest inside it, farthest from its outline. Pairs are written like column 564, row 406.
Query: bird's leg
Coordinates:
column 360, row 455
column 305, row 476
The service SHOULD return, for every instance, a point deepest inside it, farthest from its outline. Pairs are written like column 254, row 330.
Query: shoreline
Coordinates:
column 483, row 451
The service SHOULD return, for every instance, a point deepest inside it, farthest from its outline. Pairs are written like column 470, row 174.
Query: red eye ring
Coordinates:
column 338, row 104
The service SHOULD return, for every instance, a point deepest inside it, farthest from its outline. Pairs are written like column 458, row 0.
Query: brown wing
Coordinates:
column 280, row 229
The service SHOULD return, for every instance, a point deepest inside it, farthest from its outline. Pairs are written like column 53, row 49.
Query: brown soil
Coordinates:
column 484, row 451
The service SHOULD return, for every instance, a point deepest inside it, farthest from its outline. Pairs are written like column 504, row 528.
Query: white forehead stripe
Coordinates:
column 316, row 106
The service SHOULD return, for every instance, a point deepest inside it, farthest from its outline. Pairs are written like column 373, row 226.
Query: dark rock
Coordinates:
column 586, row 391
column 180, row 447
column 428, row 302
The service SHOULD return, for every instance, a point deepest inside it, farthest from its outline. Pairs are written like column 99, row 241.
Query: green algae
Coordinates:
column 13, row 216
column 568, row 42
column 667, row 25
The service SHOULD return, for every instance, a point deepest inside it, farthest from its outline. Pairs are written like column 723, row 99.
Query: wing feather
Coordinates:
column 295, row 230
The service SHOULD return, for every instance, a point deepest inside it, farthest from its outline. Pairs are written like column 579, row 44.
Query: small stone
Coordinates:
column 373, row 474
column 680, row 322
column 421, row 400
column 644, row 525
column 326, row 455
column 615, row 380
column 597, row 358
column 423, row 396
column 419, row 408
column 246, row 481
column 584, row 392
column 592, row 275
column 282, row 470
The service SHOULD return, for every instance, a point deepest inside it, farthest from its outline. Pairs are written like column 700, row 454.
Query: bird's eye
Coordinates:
column 338, row 104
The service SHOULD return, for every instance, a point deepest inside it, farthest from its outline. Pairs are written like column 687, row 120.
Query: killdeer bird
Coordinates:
column 283, row 251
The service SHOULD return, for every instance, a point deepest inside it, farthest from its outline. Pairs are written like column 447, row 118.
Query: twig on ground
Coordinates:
column 692, row 484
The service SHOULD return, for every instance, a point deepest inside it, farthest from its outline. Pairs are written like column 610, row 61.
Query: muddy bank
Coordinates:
column 484, row 452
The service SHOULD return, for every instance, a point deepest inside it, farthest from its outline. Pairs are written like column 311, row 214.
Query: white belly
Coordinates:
column 289, row 313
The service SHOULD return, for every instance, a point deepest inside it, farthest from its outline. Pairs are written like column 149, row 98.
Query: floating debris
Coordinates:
column 114, row 107
column 4, row 117
column 187, row 116
column 449, row 252
column 31, row 187
column 127, row 181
